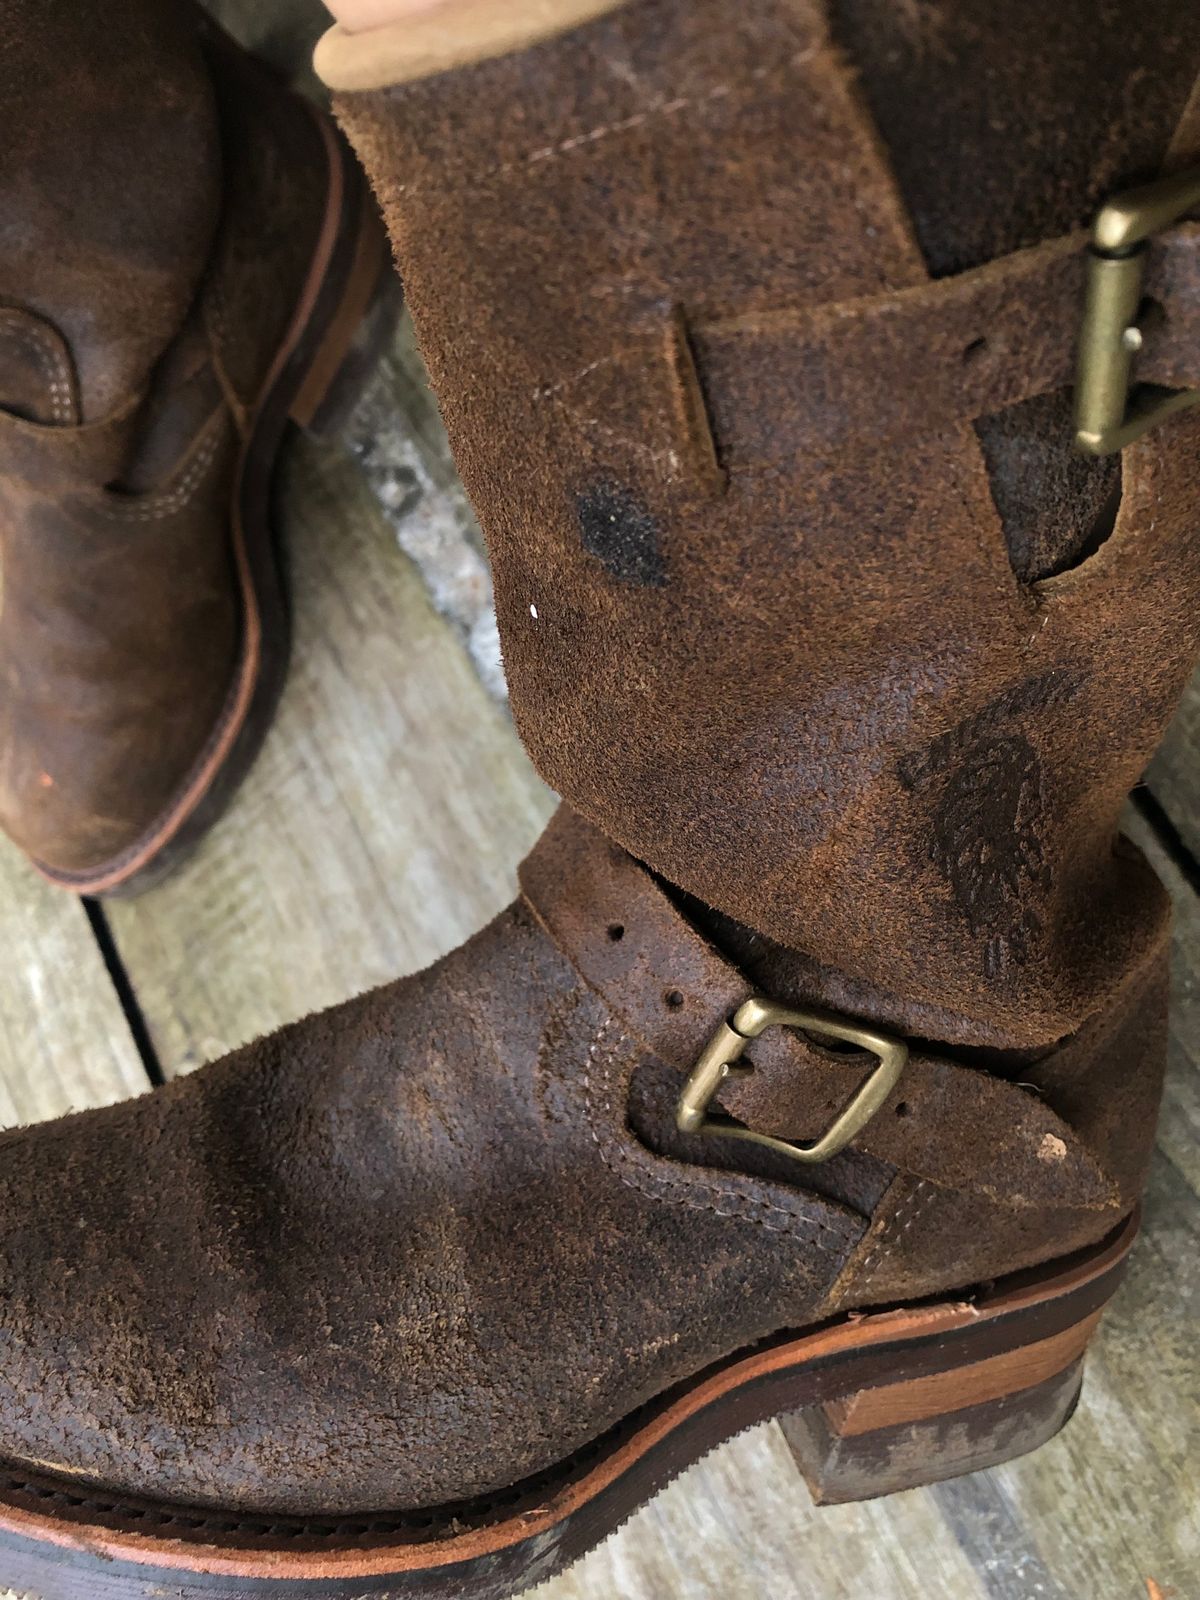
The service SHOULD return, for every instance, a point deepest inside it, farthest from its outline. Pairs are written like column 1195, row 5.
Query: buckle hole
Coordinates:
column 902, row 1109
column 973, row 351
column 616, row 931
column 673, row 999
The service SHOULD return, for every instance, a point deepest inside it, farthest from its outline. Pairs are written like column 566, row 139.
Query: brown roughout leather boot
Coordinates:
column 814, row 1072
column 189, row 253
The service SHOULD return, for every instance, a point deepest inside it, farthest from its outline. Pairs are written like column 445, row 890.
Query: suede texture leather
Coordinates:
column 1020, row 1171
column 414, row 1249
column 1021, row 167
column 425, row 1244
column 128, row 374
column 761, row 619
column 111, row 183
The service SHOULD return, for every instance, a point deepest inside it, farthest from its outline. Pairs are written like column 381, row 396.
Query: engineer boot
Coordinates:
column 420, row 1296
column 189, row 251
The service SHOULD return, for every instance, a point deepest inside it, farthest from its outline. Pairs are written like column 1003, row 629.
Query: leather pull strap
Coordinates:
column 946, row 1122
column 809, row 380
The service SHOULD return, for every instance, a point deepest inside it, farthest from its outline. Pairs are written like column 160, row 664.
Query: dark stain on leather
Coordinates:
column 986, row 840
column 985, row 787
column 622, row 534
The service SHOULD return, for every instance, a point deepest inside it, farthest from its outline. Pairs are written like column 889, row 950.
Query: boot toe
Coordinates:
column 103, row 1320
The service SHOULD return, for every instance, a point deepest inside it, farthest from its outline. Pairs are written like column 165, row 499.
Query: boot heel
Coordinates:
column 904, row 1435
column 356, row 337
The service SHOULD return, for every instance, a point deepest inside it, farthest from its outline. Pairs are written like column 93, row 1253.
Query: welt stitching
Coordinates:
column 364, row 1526
column 175, row 499
column 659, row 108
column 891, row 1232
column 53, row 364
column 625, row 1170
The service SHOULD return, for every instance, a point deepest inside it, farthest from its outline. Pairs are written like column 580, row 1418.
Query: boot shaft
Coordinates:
column 773, row 644
column 111, row 183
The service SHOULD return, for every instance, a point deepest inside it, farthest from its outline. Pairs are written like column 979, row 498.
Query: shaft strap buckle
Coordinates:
column 1110, row 409
column 719, row 1058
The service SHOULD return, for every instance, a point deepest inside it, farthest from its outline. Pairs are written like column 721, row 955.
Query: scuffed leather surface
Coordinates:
column 110, row 184
column 122, row 616
column 1030, row 1165
column 1053, row 109
column 835, row 714
column 275, row 181
column 398, row 1253
column 1105, row 1084
column 422, row 1245
column 996, row 342
column 117, row 643
column 674, row 990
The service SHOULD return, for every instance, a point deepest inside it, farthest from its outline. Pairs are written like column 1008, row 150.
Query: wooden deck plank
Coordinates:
column 64, row 1041
column 739, row 1526
column 382, row 824
column 1174, row 774
column 1179, row 1124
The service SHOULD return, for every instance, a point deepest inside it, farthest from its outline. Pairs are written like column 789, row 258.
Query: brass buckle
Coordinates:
column 1110, row 410
column 717, row 1062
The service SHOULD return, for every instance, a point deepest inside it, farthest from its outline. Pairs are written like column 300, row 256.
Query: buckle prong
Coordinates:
column 720, row 1056
column 1110, row 409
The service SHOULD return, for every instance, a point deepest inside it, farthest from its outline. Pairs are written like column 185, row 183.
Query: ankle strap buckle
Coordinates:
column 718, row 1062
column 1110, row 410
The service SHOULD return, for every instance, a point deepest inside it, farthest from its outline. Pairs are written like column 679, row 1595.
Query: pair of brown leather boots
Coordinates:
column 815, row 1071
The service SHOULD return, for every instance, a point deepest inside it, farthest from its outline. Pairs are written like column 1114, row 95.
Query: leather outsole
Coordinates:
column 870, row 1403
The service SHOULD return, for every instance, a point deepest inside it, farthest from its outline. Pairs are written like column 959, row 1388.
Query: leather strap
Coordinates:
column 920, row 359
column 947, row 1122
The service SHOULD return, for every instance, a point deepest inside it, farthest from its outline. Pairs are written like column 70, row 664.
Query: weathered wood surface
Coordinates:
column 382, row 823
column 64, row 1041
